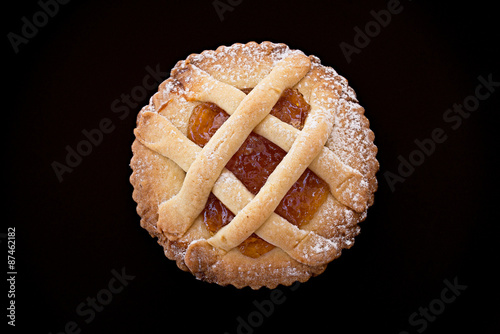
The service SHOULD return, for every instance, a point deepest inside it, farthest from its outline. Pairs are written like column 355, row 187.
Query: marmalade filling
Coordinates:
column 254, row 162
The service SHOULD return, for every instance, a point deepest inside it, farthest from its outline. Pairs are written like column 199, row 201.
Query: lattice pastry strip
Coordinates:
column 178, row 213
column 158, row 134
column 339, row 176
column 304, row 149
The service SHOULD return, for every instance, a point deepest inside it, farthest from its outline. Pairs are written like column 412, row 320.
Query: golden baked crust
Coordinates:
column 172, row 176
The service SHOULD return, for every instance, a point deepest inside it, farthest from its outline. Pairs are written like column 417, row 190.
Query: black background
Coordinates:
column 70, row 235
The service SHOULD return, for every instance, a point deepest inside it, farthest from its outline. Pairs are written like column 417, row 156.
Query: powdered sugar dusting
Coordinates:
column 243, row 66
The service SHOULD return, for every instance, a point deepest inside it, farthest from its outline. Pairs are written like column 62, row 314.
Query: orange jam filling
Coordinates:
column 252, row 164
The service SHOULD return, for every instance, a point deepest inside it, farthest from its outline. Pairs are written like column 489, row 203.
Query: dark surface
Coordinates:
column 437, row 225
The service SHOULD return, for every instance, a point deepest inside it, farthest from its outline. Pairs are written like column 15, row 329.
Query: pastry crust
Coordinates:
column 172, row 176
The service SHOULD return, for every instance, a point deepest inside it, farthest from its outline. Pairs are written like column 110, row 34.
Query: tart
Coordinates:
column 253, row 165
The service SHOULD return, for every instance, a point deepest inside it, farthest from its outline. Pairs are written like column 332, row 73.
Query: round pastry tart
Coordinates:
column 253, row 165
